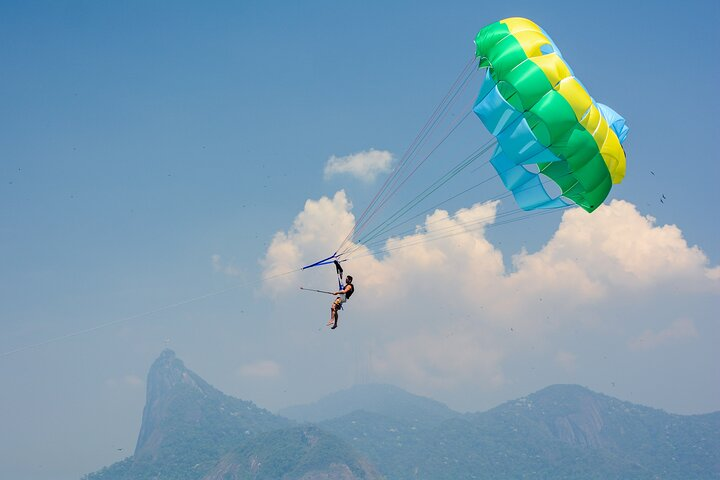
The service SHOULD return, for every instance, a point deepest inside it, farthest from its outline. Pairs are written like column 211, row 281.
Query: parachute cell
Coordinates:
column 542, row 115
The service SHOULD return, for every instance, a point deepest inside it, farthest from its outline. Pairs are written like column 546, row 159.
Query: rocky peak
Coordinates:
column 168, row 383
column 179, row 402
column 167, row 373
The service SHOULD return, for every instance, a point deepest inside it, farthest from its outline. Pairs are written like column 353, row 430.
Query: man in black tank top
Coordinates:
column 343, row 296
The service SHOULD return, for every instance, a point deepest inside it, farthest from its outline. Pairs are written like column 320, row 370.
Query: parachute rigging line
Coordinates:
column 392, row 180
column 462, row 227
column 354, row 233
column 439, row 204
column 419, row 138
column 553, row 124
column 396, row 186
column 408, row 176
column 496, row 197
column 370, row 244
column 433, row 187
column 464, row 231
column 388, row 224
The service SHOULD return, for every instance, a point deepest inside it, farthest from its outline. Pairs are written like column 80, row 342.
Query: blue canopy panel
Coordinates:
column 526, row 187
column 615, row 120
column 517, row 146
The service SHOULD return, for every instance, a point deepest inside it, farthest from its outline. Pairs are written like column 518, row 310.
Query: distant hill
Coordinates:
column 382, row 399
column 560, row 432
column 192, row 431
column 653, row 443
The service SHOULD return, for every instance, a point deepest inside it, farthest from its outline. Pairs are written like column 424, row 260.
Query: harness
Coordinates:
column 341, row 286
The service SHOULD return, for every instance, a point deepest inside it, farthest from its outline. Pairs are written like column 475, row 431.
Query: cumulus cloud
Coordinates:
column 449, row 311
column 260, row 369
column 225, row 268
column 317, row 230
column 679, row 330
column 616, row 245
column 713, row 273
column 365, row 165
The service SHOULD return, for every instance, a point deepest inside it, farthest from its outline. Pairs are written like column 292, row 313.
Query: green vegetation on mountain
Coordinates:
column 561, row 432
column 299, row 452
column 189, row 427
column 191, row 431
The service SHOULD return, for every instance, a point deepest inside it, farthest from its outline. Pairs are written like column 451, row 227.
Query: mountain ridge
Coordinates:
column 380, row 398
column 192, row 431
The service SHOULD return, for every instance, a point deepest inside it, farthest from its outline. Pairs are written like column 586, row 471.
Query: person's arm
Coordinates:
column 344, row 290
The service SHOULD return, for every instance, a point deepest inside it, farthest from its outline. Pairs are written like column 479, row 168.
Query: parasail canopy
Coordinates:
column 545, row 121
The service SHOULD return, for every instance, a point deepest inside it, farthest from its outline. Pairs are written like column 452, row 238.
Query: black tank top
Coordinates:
column 350, row 292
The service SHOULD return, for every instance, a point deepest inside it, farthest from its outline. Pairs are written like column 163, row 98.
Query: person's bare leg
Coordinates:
column 333, row 314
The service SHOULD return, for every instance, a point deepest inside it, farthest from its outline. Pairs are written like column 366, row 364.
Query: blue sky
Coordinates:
column 138, row 140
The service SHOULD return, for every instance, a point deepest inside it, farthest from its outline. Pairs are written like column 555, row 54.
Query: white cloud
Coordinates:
column 713, row 273
column 679, row 330
column 366, row 165
column 226, row 268
column 617, row 246
column 444, row 312
column 261, row 369
column 316, row 231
